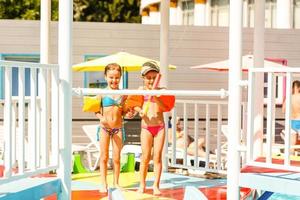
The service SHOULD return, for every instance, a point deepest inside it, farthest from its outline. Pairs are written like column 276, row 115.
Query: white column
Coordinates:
column 173, row 13
column 283, row 14
column 164, row 42
column 145, row 16
column 45, row 31
column 208, row 13
column 164, row 60
column 8, row 123
column 245, row 13
column 234, row 110
column 179, row 15
column 65, row 95
column 145, row 19
column 258, row 49
column 173, row 16
column 43, row 92
column 199, row 13
column 154, row 15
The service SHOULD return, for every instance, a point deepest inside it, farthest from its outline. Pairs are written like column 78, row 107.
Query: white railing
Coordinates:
column 197, row 93
column 212, row 116
column 171, row 155
column 203, row 109
column 29, row 125
column 289, row 73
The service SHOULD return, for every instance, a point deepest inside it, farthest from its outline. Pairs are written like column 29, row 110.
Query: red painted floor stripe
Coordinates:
column 254, row 169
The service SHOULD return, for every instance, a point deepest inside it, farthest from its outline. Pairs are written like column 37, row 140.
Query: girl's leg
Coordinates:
column 104, row 148
column 158, row 145
column 146, row 144
column 117, row 147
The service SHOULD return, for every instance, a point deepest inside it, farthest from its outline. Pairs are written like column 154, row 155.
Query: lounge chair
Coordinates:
column 93, row 148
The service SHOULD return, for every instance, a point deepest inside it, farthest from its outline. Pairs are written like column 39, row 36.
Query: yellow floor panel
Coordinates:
column 126, row 179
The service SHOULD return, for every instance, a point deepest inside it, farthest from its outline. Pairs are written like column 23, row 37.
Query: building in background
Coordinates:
column 216, row 13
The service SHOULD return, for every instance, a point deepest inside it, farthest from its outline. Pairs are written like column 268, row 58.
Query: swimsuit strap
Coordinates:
column 109, row 101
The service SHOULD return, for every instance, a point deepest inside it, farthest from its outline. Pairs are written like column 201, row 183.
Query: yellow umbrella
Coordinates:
column 128, row 61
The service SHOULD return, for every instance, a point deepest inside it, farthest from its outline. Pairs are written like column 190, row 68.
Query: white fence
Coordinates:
column 210, row 131
column 272, row 73
column 30, row 122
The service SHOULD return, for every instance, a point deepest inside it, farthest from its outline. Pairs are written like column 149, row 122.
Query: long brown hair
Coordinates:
column 112, row 66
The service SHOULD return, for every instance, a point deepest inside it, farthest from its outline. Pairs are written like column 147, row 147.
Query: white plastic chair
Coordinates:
column 93, row 148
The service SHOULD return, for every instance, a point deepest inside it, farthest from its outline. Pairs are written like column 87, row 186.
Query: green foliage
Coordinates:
column 24, row 9
column 84, row 10
column 107, row 11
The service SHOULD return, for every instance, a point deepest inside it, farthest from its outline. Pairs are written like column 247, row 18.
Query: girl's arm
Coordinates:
column 133, row 111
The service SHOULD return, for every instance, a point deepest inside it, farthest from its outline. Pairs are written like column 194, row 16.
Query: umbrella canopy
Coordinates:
column 247, row 62
column 128, row 61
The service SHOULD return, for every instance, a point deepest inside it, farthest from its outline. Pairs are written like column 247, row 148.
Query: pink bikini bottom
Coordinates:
column 154, row 130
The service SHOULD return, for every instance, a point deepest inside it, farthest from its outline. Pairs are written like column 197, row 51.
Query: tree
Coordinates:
column 107, row 11
column 84, row 10
column 24, row 9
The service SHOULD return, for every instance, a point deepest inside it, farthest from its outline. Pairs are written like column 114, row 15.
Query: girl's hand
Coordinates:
column 101, row 118
column 130, row 114
column 142, row 114
column 99, row 115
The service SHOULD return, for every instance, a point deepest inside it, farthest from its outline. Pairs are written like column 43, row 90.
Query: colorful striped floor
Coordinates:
column 85, row 186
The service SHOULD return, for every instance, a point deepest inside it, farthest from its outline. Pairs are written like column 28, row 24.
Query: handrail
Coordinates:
column 276, row 70
column 27, row 65
column 208, row 93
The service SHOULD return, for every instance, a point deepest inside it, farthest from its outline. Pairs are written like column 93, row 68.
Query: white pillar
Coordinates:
column 258, row 49
column 199, row 13
column 145, row 19
column 164, row 42
column 179, row 16
column 245, row 13
column 173, row 13
column 208, row 13
column 164, row 60
column 283, row 14
column 45, row 31
column 65, row 95
column 234, row 101
column 43, row 75
column 154, row 14
column 145, row 16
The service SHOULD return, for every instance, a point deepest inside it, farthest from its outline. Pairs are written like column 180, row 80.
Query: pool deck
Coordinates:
column 86, row 186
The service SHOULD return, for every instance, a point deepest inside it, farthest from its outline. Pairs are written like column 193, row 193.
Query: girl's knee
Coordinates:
column 116, row 160
column 157, row 159
column 146, row 158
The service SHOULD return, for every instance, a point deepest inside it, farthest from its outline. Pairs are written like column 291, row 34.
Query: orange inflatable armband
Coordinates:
column 168, row 101
column 133, row 101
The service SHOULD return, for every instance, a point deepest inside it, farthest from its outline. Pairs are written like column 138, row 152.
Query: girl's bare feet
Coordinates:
column 156, row 191
column 103, row 189
column 118, row 187
column 141, row 189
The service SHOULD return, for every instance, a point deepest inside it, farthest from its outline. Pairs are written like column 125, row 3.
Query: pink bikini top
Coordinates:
column 146, row 98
